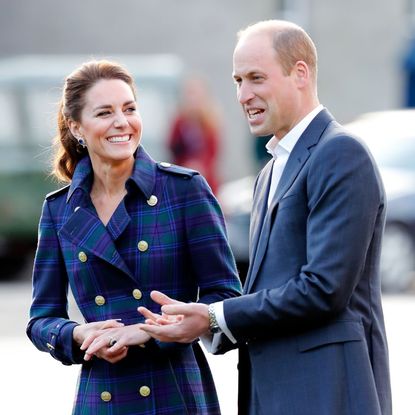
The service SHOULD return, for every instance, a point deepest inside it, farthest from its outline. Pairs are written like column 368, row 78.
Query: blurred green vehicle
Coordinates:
column 30, row 88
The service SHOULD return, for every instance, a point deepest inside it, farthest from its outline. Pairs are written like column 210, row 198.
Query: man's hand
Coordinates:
column 180, row 322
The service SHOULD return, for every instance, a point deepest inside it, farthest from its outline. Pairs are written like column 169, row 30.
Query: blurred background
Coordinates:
column 180, row 53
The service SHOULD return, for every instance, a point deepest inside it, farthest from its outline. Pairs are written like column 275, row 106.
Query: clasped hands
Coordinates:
column 110, row 339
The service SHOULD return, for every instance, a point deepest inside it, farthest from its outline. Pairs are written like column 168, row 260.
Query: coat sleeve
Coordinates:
column 49, row 327
column 210, row 254
column 345, row 205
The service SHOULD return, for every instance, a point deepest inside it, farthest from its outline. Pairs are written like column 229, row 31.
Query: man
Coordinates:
column 310, row 326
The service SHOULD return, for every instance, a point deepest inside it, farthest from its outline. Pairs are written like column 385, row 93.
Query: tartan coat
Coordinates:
column 167, row 234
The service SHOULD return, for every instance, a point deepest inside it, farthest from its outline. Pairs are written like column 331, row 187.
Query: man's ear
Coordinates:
column 302, row 74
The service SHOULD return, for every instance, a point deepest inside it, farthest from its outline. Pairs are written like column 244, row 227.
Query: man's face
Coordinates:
column 269, row 98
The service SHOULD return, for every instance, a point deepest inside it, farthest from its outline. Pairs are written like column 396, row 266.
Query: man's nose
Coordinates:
column 245, row 94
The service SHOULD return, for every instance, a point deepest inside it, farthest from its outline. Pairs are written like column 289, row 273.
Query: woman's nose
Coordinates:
column 120, row 120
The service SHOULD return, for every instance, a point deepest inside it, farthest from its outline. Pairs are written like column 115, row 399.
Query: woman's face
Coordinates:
column 110, row 122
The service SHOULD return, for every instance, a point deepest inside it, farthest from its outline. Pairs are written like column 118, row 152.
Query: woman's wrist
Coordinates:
column 76, row 335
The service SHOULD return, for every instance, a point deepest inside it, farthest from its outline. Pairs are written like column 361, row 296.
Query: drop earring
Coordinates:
column 81, row 141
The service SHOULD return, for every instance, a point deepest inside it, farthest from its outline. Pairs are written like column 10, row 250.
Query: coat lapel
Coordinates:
column 84, row 229
column 298, row 157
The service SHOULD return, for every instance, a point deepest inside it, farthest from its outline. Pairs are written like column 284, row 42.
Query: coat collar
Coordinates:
column 143, row 175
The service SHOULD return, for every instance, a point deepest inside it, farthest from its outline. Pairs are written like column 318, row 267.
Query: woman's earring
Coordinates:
column 81, row 141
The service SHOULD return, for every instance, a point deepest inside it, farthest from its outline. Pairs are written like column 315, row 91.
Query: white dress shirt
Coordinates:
column 280, row 151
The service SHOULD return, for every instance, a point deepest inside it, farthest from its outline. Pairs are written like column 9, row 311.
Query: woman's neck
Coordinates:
column 110, row 178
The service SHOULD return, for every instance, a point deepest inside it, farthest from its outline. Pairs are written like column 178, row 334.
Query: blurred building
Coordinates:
column 361, row 45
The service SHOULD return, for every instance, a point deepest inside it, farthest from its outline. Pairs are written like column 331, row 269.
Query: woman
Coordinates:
column 124, row 225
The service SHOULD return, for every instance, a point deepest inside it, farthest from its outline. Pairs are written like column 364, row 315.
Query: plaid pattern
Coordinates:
column 188, row 258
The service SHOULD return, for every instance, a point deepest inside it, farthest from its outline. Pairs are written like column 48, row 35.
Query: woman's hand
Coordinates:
column 112, row 344
column 82, row 331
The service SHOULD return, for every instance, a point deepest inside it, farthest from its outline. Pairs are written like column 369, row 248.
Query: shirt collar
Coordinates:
column 284, row 146
column 143, row 175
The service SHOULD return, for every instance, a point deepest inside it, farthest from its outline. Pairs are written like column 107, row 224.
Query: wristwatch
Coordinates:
column 213, row 323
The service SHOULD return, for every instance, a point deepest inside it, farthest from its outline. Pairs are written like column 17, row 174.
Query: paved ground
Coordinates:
column 32, row 382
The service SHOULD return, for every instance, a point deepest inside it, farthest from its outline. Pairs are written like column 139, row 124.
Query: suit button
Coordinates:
column 152, row 201
column 82, row 256
column 142, row 246
column 165, row 164
column 99, row 300
column 137, row 294
column 106, row 396
column 77, row 208
column 144, row 391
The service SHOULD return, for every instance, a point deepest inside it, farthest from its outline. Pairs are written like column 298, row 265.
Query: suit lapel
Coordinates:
column 298, row 157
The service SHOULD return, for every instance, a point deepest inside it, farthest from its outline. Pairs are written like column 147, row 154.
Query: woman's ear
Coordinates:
column 74, row 127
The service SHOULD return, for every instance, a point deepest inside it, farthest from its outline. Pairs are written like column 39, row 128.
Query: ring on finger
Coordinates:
column 112, row 341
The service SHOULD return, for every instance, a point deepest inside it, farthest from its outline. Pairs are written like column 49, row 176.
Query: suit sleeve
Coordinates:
column 209, row 251
column 49, row 328
column 345, row 198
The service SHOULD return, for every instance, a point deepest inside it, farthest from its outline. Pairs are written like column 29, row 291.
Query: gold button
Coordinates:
column 144, row 391
column 82, row 256
column 165, row 164
column 137, row 294
column 99, row 300
column 152, row 201
column 49, row 346
column 143, row 346
column 142, row 246
column 106, row 396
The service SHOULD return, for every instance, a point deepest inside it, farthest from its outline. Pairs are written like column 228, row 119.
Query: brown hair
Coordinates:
column 67, row 150
column 290, row 41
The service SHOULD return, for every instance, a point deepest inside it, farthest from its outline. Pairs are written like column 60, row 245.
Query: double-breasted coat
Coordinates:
column 167, row 234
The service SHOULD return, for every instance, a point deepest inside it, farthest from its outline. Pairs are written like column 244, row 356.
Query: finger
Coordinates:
column 113, row 323
column 151, row 322
column 89, row 340
column 151, row 329
column 96, row 345
column 162, row 299
column 88, row 357
column 117, row 348
column 148, row 314
column 118, row 357
column 176, row 309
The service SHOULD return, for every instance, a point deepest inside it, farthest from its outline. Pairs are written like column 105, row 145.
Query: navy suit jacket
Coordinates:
column 311, row 323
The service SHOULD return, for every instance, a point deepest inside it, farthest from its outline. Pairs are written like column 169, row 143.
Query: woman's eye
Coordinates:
column 102, row 113
column 131, row 109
